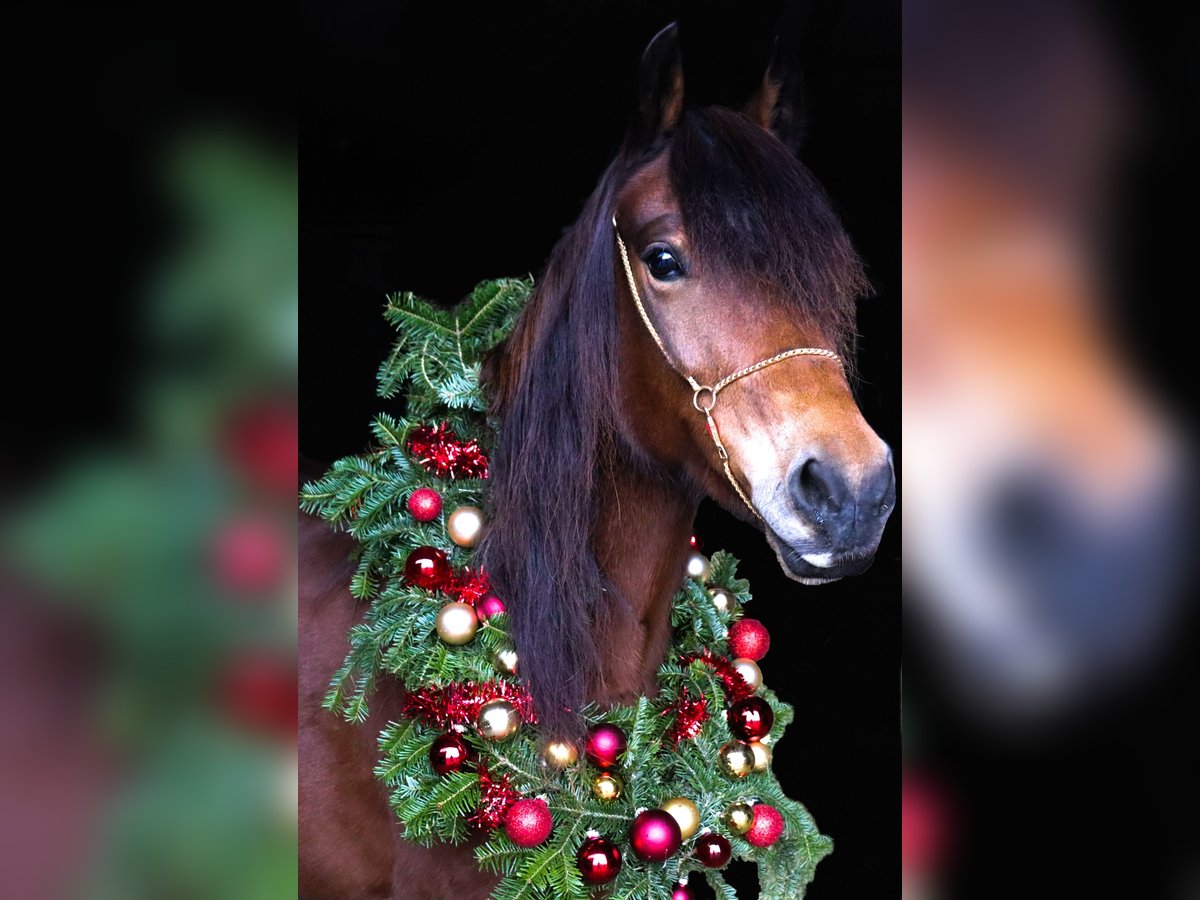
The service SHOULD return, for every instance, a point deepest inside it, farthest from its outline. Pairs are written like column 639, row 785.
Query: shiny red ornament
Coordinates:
column 751, row 719
column 425, row 504
column 489, row 606
column 496, row 795
column 439, row 451
column 428, row 568
column 598, row 860
column 749, row 638
column 604, row 746
column 654, row 835
column 690, row 715
column 713, row 850
column 766, row 827
column 528, row 822
column 683, row 892
column 449, row 753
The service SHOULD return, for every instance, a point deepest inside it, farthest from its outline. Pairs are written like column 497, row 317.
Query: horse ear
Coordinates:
column 777, row 105
column 660, row 86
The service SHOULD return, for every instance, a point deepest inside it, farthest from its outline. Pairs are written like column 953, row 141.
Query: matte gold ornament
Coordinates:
column 762, row 756
column 722, row 599
column 749, row 671
column 607, row 786
column 560, row 754
column 465, row 525
column 505, row 660
column 498, row 720
column 684, row 812
column 457, row 623
column 697, row 565
column 737, row 759
column 738, row 817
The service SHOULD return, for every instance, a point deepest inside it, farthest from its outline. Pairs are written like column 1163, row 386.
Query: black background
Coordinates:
column 441, row 148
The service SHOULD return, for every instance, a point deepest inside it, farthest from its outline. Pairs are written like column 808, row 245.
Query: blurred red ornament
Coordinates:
column 682, row 892
column 489, row 606
column 449, row 753
column 427, row 567
column 654, row 835
column 690, row 715
column 258, row 692
column 440, row 452
column 528, row 822
column 599, row 860
column 924, row 824
column 604, row 746
column 713, row 850
column 751, row 719
column 749, row 638
column 425, row 504
column 248, row 556
column 261, row 441
column 766, row 827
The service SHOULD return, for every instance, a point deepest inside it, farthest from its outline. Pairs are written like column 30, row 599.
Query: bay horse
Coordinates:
column 706, row 247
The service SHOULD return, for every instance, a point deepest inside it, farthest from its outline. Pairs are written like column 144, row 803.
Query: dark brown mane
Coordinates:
column 752, row 211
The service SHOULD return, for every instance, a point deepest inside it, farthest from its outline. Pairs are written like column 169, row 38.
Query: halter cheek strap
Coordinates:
column 704, row 396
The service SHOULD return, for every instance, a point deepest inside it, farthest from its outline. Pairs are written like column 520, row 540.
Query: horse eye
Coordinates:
column 662, row 264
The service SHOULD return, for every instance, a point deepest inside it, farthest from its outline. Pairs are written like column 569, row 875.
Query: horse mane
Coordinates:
column 751, row 210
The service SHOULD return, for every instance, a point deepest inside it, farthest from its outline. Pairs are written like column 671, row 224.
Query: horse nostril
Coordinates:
column 818, row 490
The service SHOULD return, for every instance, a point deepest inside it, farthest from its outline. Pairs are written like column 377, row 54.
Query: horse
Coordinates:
column 686, row 339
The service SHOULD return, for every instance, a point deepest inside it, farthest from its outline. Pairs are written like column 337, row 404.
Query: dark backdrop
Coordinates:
column 442, row 148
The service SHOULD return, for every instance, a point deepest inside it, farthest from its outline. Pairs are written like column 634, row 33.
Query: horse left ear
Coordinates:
column 777, row 105
column 660, row 87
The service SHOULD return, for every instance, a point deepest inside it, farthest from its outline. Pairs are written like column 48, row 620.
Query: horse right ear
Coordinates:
column 659, row 87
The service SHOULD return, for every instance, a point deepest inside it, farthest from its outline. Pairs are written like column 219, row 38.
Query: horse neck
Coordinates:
column 641, row 544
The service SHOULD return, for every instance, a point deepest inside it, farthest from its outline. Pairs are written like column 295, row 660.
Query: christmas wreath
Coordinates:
column 670, row 788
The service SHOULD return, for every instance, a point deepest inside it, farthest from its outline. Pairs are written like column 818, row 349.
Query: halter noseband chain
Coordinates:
column 702, row 391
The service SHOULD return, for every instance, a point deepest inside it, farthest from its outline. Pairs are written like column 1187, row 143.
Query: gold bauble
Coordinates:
column 697, row 565
column 505, row 660
column 762, row 756
column 457, row 623
column 560, row 754
column 722, row 599
column 498, row 719
column 749, row 671
column 739, row 817
column 737, row 759
column 684, row 812
column 465, row 525
column 607, row 786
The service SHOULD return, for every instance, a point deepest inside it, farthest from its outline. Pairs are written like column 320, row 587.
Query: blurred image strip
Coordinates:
column 1049, row 528
column 147, row 578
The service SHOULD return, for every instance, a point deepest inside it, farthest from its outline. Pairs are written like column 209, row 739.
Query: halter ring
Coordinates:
column 696, row 399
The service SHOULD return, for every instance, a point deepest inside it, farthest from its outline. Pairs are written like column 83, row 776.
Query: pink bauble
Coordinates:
column 425, row 504
column 489, row 606
column 604, row 746
column 749, row 638
column 599, row 860
column 766, row 826
column 427, row 567
column 654, row 835
column 682, row 892
column 528, row 822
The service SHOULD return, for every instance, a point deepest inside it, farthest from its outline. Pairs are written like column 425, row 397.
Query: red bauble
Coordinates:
column 260, row 440
column 489, row 606
column 749, row 638
column 766, row 826
column 449, row 753
column 655, row 835
column 751, row 719
column 528, row 822
column 604, row 745
column 427, row 567
column 713, row 850
column 682, row 892
column 250, row 556
column 599, row 860
column 258, row 691
column 425, row 504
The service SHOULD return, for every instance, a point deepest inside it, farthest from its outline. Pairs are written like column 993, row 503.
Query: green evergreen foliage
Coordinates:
column 436, row 362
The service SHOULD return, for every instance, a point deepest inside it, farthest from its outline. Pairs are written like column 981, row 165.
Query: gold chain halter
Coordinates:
column 701, row 392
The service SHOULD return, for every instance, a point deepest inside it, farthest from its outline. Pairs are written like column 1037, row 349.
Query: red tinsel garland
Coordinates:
column 736, row 687
column 468, row 586
column 440, row 452
column 458, row 703
column 690, row 715
column 497, row 796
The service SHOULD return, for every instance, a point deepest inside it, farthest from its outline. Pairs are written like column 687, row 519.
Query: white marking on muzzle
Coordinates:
column 820, row 560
